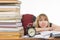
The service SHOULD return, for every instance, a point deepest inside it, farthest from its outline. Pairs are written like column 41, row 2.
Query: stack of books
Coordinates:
column 10, row 19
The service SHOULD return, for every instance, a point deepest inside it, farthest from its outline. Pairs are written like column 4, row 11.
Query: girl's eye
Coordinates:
column 40, row 20
column 45, row 19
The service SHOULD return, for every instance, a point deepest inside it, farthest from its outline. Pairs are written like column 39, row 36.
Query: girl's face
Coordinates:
column 43, row 22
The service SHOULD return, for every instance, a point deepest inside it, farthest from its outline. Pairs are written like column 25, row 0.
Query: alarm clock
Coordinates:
column 31, row 31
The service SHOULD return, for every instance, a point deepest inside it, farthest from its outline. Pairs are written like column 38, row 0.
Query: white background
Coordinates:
column 50, row 7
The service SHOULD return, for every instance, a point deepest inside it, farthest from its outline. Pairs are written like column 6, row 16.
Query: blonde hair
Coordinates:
column 38, row 18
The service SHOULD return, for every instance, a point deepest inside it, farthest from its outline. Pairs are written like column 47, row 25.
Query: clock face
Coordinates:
column 31, row 32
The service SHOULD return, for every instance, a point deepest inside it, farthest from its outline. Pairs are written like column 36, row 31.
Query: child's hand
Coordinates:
column 38, row 29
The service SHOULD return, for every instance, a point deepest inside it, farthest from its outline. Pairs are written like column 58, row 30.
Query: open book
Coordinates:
column 45, row 34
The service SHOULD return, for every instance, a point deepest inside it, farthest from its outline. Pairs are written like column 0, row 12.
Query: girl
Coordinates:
column 42, row 24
